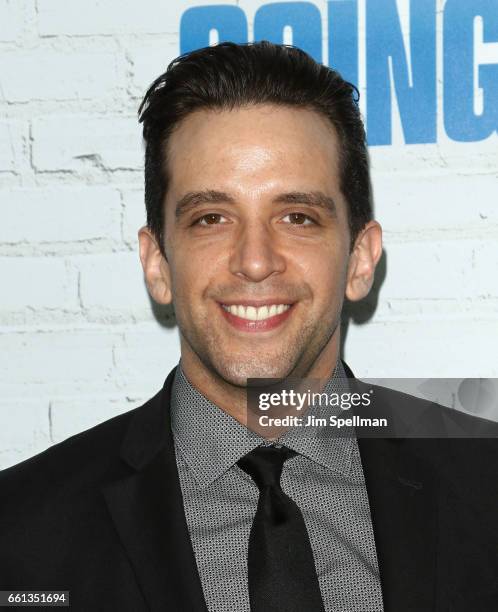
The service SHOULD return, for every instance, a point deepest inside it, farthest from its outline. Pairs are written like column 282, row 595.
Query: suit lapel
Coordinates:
column 146, row 506
column 147, row 509
column 403, row 506
column 402, row 492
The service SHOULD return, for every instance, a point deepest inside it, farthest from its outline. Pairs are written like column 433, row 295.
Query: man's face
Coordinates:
column 254, row 213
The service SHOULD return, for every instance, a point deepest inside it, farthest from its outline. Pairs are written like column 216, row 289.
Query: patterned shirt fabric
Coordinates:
column 325, row 480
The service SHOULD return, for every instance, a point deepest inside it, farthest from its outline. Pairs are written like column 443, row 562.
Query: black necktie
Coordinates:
column 281, row 570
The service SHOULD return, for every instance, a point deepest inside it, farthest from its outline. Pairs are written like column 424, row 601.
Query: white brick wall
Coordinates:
column 61, row 214
column 74, row 142
column 13, row 136
column 78, row 340
column 35, row 283
column 58, row 76
column 11, row 21
column 93, row 17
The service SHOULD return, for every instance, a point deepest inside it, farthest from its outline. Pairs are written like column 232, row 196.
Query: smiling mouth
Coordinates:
column 256, row 318
column 252, row 313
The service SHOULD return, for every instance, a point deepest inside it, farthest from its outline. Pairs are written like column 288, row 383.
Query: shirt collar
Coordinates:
column 211, row 441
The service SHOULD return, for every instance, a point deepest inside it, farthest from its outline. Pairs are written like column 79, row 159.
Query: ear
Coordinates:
column 156, row 268
column 363, row 260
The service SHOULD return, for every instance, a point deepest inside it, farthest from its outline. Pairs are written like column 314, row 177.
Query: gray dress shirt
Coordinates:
column 325, row 480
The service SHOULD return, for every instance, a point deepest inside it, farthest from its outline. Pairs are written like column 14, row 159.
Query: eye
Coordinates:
column 299, row 218
column 210, row 218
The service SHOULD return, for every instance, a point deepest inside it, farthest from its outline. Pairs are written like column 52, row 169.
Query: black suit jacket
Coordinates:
column 101, row 515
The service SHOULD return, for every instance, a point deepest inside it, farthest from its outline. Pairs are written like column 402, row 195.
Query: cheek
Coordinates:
column 326, row 273
column 326, row 264
column 191, row 277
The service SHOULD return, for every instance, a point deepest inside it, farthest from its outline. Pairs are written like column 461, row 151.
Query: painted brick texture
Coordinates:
column 79, row 341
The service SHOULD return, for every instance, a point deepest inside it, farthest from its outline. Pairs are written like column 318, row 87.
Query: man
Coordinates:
column 259, row 224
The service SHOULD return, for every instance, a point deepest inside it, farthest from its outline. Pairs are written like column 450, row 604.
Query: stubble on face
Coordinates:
column 256, row 359
column 253, row 154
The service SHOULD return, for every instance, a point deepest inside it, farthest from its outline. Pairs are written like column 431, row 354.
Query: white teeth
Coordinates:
column 256, row 314
column 263, row 313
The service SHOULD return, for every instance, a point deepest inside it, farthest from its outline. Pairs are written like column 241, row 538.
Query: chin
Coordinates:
column 236, row 372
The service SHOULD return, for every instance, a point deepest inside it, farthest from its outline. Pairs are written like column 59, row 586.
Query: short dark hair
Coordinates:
column 230, row 75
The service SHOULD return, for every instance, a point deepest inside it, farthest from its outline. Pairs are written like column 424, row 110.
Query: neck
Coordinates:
column 232, row 399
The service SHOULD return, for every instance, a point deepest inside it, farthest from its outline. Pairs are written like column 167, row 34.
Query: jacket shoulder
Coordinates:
column 54, row 519
column 68, row 469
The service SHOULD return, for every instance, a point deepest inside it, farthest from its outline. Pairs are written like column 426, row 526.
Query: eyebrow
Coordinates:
column 316, row 199
column 192, row 199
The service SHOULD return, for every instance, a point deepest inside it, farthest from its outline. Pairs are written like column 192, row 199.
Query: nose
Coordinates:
column 256, row 254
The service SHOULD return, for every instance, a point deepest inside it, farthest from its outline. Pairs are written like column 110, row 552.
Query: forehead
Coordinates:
column 253, row 142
